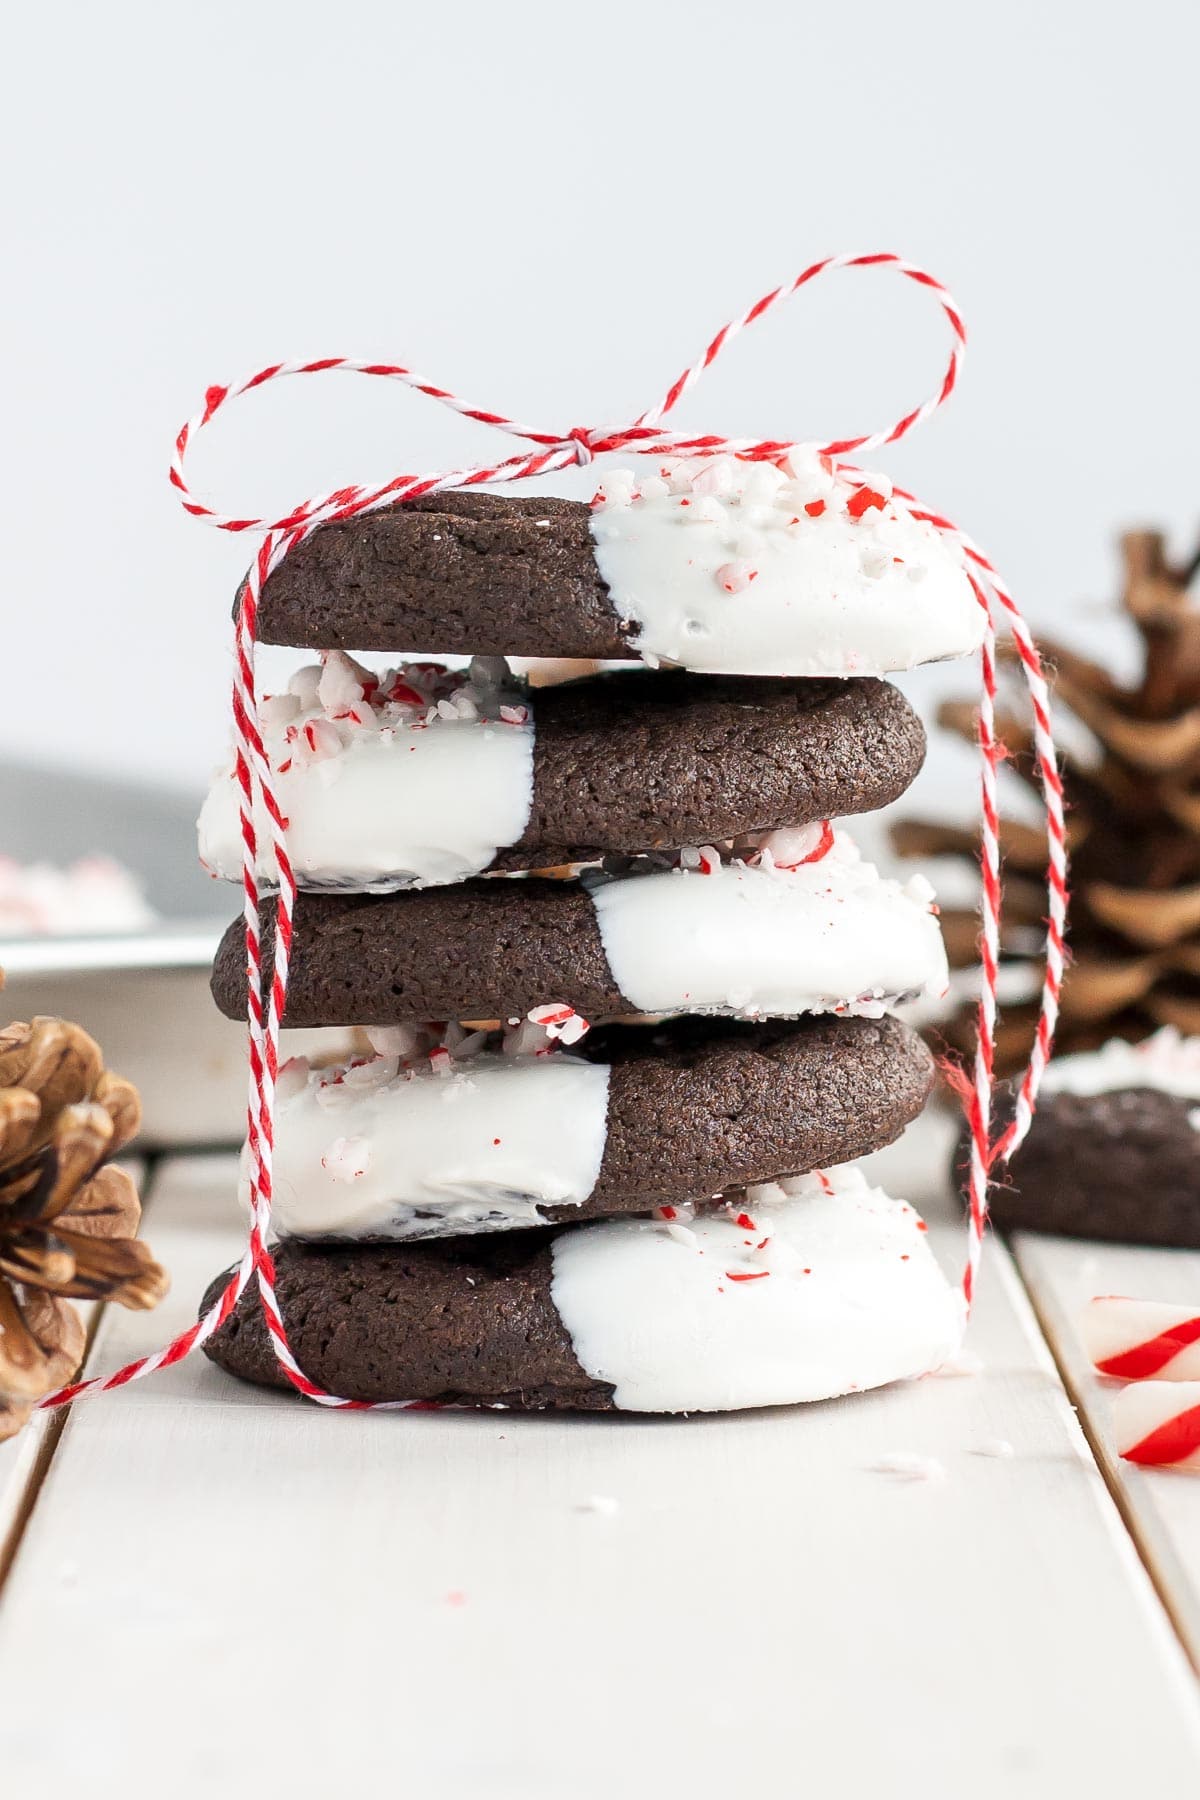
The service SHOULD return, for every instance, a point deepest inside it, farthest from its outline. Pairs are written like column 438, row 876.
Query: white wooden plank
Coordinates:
column 270, row 1598
column 1163, row 1506
column 23, row 1459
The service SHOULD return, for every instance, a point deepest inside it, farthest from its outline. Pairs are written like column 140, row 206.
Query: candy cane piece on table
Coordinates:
column 1157, row 1424
column 1135, row 1340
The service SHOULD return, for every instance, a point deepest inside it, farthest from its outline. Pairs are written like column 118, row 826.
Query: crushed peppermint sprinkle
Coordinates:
column 560, row 1021
column 347, row 1158
column 908, row 1466
column 793, row 846
column 734, row 578
column 402, row 1053
column 962, row 1363
column 862, row 500
column 394, row 1040
column 327, row 706
column 746, row 1274
column 703, row 859
column 746, row 497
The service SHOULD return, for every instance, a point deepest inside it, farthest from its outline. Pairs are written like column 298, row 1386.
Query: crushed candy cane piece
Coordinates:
column 792, row 846
column 342, row 682
column 393, row 1040
column 347, row 1158
column 734, row 578
column 909, row 1466
column 863, row 499
column 292, row 1079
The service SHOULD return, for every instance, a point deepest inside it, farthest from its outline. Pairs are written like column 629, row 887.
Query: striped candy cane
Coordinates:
column 547, row 452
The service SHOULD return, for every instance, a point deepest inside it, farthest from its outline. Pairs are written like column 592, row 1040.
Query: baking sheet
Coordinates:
column 143, row 995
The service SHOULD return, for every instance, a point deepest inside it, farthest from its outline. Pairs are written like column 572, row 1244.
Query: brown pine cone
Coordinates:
column 67, row 1216
column 1133, row 821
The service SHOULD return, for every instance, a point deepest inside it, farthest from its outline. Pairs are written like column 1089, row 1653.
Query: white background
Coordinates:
column 549, row 207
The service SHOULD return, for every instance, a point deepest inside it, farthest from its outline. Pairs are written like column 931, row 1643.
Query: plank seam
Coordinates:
column 1100, row 1456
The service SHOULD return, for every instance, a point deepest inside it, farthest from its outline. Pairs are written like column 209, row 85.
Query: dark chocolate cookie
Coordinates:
column 632, row 761
column 488, row 574
column 466, row 1321
column 481, row 950
column 1121, row 1166
column 699, row 1106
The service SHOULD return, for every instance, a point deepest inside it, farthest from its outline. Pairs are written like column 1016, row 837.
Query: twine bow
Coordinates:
column 551, row 451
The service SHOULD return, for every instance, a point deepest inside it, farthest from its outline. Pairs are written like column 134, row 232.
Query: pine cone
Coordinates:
column 1133, row 814
column 67, row 1216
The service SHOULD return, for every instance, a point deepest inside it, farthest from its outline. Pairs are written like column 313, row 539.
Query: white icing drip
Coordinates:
column 1167, row 1061
column 845, row 1295
column 829, row 936
column 721, row 567
column 381, row 794
column 443, row 1148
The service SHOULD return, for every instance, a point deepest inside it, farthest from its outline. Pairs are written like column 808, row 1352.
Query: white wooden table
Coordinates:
column 215, row 1590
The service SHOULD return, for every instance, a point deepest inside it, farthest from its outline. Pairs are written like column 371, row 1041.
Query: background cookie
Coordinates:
column 1122, row 1166
column 1114, row 1149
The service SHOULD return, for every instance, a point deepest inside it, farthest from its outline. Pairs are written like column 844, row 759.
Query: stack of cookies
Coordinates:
column 624, row 990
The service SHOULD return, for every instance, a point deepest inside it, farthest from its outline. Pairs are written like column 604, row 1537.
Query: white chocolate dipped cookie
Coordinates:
column 798, row 1291
column 449, row 1134
column 824, row 934
column 425, row 775
column 713, row 563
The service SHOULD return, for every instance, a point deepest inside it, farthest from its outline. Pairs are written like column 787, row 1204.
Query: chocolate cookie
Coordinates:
column 466, row 1321
column 828, row 936
column 1113, row 1151
column 714, row 564
column 429, row 1146
column 381, row 793
column 1122, row 1166
column 795, row 1292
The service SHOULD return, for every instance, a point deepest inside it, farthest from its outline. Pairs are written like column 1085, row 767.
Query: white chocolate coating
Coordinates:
column 374, row 1150
column 1167, row 1061
column 829, row 936
column 844, row 1295
column 382, row 795
column 723, row 566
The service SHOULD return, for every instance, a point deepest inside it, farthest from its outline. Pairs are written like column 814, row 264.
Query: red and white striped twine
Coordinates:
column 551, row 451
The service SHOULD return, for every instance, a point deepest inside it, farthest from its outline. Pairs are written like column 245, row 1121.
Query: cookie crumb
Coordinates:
column 599, row 1503
column 908, row 1466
